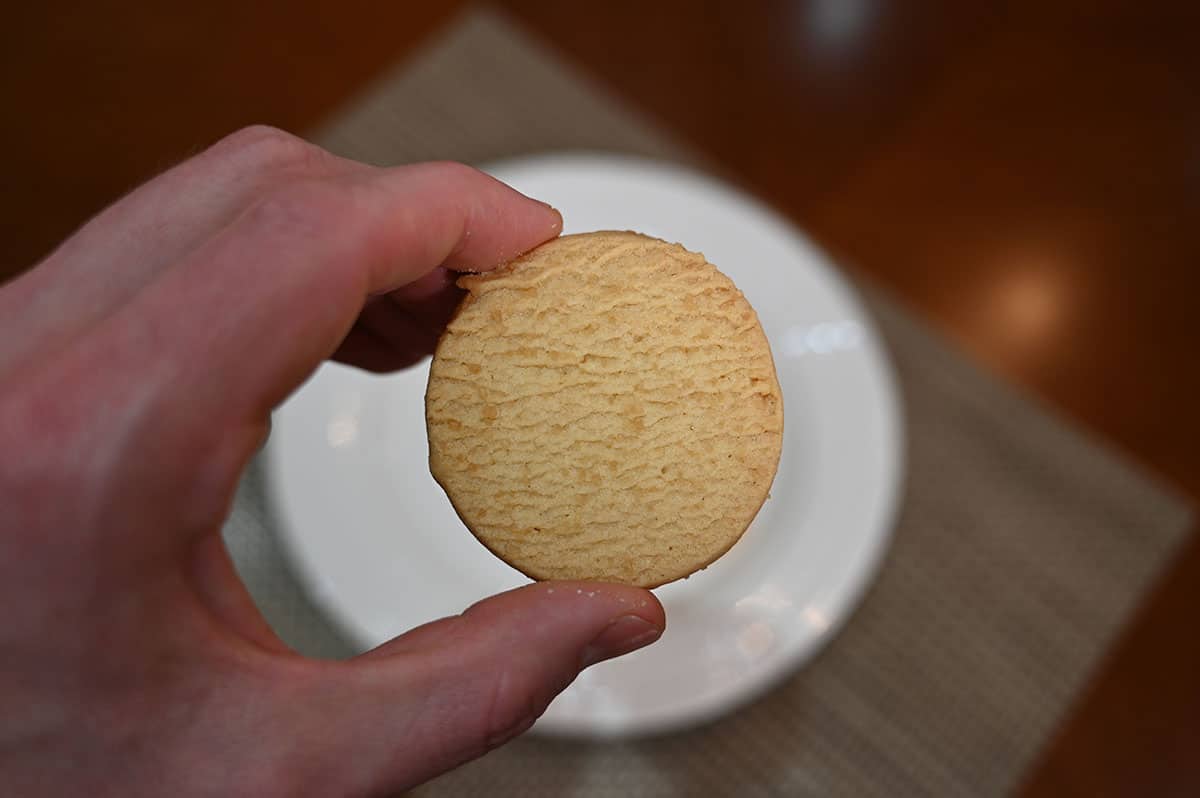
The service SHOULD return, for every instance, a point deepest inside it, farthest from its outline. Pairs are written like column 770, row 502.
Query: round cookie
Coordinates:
column 605, row 407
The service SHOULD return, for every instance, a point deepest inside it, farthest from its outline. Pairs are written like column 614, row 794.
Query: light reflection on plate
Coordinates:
column 380, row 549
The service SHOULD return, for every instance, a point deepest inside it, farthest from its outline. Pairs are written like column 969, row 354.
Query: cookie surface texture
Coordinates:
column 605, row 407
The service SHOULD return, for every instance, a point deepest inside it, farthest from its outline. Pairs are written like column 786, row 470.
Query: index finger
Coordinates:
column 248, row 316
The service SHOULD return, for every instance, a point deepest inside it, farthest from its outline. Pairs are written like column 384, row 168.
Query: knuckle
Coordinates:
column 266, row 148
column 452, row 171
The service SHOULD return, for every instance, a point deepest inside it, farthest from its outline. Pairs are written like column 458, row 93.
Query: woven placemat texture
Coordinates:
column 1021, row 546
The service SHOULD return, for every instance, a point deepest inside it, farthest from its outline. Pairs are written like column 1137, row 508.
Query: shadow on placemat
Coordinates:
column 1020, row 550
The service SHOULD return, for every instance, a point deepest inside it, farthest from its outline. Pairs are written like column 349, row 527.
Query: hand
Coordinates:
column 139, row 364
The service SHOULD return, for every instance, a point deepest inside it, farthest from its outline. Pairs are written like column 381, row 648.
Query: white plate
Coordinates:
column 380, row 549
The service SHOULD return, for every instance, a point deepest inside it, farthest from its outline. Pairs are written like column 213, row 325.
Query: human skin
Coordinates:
column 139, row 364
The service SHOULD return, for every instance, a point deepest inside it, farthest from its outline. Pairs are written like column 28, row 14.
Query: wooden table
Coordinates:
column 1025, row 174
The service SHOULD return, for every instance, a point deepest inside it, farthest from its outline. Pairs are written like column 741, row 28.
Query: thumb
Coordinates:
column 451, row 690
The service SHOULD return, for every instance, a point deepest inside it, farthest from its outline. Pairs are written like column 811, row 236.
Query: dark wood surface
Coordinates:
column 1026, row 175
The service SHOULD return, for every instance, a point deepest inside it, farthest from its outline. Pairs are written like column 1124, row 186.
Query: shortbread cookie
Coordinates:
column 605, row 407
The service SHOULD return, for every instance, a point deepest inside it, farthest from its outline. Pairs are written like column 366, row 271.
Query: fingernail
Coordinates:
column 558, row 219
column 626, row 633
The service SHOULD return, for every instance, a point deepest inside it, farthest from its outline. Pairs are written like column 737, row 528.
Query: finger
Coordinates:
column 364, row 349
column 248, row 316
column 400, row 329
column 117, row 253
column 449, row 691
column 431, row 300
column 408, row 321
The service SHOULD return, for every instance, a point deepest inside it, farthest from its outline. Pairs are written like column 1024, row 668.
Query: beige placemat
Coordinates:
column 1020, row 549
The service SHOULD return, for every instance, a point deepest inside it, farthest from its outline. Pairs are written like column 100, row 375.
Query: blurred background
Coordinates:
column 1023, row 174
